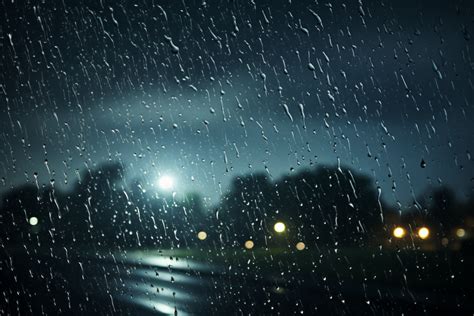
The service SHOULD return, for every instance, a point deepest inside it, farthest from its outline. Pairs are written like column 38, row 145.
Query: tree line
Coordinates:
column 326, row 206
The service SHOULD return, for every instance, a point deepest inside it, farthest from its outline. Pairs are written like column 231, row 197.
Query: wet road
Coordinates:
column 62, row 281
column 106, row 283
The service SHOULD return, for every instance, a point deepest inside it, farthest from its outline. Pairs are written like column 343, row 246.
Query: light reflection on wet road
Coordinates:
column 164, row 284
column 105, row 283
column 153, row 282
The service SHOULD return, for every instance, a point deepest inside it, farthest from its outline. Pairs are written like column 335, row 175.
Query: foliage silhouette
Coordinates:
column 323, row 207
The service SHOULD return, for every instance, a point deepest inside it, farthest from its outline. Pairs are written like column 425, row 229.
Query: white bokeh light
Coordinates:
column 166, row 182
column 33, row 221
column 279, row 227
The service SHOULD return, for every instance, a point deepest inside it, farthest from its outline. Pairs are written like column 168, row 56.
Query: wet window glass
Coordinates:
column 236, row 156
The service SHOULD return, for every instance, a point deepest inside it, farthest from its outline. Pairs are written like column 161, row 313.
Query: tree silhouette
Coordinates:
column 327, row 205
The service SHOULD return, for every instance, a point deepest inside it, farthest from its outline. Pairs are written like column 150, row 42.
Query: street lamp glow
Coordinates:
column 166, row 182
column 399, row 232
column 33, row 221
column 249, row 244
column 300, row 246
column 202, row 235
column 423, row 233
column 279, row 227
column 460, row 232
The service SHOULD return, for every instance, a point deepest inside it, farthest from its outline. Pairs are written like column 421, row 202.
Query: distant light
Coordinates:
column 460, row 232
column 279, row 227
column 33, row 221
column 202, row 235
column 249, row 244
column 166, row 183
column 444, row 241
column 278, row 290
column 399, row 232
column 423, row 233
column 300, row 246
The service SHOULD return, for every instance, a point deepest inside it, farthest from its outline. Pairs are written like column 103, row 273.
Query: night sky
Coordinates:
column 205, row 91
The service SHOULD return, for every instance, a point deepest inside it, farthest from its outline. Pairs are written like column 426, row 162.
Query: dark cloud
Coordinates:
column 228, row 86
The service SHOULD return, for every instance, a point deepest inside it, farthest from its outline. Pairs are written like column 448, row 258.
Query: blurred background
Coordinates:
column 249, row 157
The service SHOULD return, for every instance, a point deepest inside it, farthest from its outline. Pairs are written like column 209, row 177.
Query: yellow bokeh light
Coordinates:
column 399, row 232
column 249, row 244
column 202, row 235
column 33, row 221
column 300, row 246
column 460, row 232
column 279, row 227
column 423, row 233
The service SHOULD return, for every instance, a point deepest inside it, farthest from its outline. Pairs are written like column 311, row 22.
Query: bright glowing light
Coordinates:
column 300, row 246
column 460, row 232
column 202, row 235
column 399, row 232
column 249, row 244
column 423, row 232
column 33, row 221
column 279, row 227
column 166, row 183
